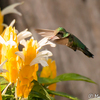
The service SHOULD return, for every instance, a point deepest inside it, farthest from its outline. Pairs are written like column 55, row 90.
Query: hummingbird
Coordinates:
column 61, row 36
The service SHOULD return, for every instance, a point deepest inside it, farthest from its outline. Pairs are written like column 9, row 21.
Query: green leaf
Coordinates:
column 3, row 83
column 3, row 80
column 73, row 76
column 62, row 94
column 65, row 77
column 2, row 87
column 43, row 80
column 38, row 91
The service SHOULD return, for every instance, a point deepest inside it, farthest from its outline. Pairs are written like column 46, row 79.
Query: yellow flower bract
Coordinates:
column 30, row 51
column 8, row 52
column 27, row 73
column 7, row 33
column 49, row 72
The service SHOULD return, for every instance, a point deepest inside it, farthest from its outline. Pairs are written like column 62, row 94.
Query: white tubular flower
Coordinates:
column 10, row 42
column 12, row 23
column 1, row 67
column 44, row 42
column 98, row 98
column 23, row 34
column 11, row 9
column 45, row 53
column 23, row 42
column 4, row 91
column 2, row 41
column 41, row 58
column 5, row 25
column 20, row 54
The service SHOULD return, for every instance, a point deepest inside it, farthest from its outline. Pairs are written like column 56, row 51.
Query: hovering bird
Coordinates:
column 61, row 36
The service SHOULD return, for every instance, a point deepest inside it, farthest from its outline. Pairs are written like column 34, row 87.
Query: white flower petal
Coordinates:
column 98, row 98
column 1, row 65
column 12, row 23
column 3, row 71
column 33, row 42
column 24, row 34
column 34, row 61
column 41, row 58
column 10, row 42
column 32, row 37
column 11, row 9
column 16, row 31
column 20, row 54
column 44, row 42
column 2, row 41
column 23, row 42
column 38, row 49
column 5, row 25
column 4, row 91
column 44, row 53
column 43, row 63
column 51, row 44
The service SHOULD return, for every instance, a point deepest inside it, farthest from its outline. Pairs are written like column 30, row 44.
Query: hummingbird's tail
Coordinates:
column 87, row 53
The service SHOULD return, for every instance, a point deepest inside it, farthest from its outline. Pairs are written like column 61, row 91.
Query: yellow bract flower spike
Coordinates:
column 23, row 90
column 49, row 72
column 9, row 47
column 30, row 51
column 27, row 73
column 7, row 34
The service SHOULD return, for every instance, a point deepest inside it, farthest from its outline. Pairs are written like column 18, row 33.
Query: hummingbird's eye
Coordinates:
column 60, row 34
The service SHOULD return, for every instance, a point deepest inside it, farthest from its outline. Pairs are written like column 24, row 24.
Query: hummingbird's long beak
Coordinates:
column 54, row 38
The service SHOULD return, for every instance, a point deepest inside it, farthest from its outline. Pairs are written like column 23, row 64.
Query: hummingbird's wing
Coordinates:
column 45, row 33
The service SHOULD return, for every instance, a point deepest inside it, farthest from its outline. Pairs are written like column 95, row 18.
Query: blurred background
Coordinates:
column 81, row 18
